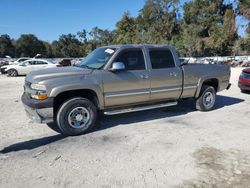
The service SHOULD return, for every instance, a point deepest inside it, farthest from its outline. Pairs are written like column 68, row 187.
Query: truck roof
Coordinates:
column 138, row 46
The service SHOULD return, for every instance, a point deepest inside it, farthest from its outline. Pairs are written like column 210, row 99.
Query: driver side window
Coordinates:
column 27, row 63
column 133, row 59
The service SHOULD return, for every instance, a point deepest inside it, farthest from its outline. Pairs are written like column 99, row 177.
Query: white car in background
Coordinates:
column 28, row 66
column 19, row 60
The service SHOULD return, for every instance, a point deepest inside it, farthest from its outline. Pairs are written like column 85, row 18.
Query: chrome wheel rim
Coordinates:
column 79, row 117
column 12, row 73
column 208, row 99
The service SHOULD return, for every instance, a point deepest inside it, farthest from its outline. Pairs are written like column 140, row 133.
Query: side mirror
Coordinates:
column 183, row 62
column 117, row 66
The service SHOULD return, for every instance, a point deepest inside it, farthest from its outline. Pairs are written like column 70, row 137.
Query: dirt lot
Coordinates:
column 171, row 147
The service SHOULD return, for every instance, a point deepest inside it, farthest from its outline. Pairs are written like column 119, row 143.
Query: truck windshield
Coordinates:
column 97, row 59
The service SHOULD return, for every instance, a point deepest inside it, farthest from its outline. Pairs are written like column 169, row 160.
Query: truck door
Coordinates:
column 129, row 86
column 165, row 76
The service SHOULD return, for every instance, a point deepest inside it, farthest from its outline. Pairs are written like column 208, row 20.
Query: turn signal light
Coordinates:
column 40, row 96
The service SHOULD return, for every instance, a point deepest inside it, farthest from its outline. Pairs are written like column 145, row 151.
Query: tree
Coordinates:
column 243, row 8
column 6, row 46
column 215, row 26
column 83, row 35
column 157, row 21
column 48, row 50
column 125, row 30
column 102, row 37
column 29, row 45
column 67, row 46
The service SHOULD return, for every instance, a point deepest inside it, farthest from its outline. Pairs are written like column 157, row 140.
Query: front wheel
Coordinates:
column 207, row 98
column 12, row 72
column 76, row 116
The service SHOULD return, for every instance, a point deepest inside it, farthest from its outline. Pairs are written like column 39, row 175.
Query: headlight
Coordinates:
column 38, row 87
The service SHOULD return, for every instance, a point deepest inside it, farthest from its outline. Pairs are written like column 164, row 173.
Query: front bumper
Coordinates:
column 38, row 111
column 3, row 70
column 43, row 115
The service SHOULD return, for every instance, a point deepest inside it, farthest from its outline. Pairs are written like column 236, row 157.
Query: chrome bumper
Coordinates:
column 43, row 115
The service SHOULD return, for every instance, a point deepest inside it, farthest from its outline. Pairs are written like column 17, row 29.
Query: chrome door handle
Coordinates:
column 144, row 76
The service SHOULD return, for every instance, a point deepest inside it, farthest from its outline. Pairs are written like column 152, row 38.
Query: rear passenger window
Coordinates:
column 132, row 59
column 161, row 58
column 40, row 63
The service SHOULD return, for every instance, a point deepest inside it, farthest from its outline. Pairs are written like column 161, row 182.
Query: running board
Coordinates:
column 139, row 108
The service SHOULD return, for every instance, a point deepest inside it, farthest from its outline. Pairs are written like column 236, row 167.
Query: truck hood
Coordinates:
column 57, row 72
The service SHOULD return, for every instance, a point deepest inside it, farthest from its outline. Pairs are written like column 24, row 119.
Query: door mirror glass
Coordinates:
column 118, row 66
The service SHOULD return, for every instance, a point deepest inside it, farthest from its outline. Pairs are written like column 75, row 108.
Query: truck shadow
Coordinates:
column 106, row 122
column 183, row 107
column 32, row 144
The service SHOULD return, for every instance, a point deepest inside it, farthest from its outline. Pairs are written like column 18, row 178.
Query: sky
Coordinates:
column 48, row 19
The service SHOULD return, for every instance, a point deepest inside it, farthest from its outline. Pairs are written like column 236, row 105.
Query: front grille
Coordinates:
column 27, row 84
column 26, row 88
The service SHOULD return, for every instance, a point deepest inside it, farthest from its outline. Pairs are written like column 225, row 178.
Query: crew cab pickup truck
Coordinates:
column 118, row 79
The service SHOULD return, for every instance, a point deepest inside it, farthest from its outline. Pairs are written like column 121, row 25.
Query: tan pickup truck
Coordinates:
column 118, row 79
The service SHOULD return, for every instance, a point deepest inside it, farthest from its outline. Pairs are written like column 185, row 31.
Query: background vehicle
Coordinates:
column 65, row 62
column 119, row 79
column 18, row 61
column 244, row 80
column 3, row 63
column 28, row 66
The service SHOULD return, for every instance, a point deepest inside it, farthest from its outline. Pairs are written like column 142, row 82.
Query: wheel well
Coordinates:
column 212, row 82
column 13, row 69
column 86, row 93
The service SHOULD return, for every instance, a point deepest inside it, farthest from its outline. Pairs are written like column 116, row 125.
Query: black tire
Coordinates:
column 66, row 117
column 54, row 127
column 207, row 98
column 245, row 91
column 12, row 72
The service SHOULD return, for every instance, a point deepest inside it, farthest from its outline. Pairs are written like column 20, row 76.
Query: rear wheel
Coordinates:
column 12, row 72
column 207, row 98
column 76, row 116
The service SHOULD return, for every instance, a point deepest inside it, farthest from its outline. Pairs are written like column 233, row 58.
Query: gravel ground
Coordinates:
column 170, row 147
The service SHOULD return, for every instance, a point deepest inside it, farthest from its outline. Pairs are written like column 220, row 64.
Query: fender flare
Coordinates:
column 202, row 80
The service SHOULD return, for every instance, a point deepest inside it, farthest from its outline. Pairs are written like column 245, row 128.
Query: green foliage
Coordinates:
column 157, row 22
column 204, row 28
column 214, row 25
column 29, row 45
column 67, row 46
column 125, row 30
column 101, row 37
column 6, row 46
